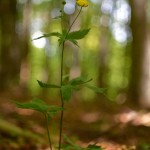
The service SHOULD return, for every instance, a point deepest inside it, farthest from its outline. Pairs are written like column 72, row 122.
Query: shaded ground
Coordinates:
column 108, row 125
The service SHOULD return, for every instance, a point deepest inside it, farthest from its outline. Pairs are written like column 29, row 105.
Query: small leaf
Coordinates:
column 96, row 89
column 74, row 42
column 57, row 34
column 77, row 35
column 45, row 85
column 39, row 105
column 79, row 81
column 66, row 92
column 35, row 104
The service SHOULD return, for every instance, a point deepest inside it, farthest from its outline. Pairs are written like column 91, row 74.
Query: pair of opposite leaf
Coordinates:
column 72, row 36
column 73, row 85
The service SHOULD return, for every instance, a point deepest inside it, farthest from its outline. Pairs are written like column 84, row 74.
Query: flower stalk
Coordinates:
column 61, row 79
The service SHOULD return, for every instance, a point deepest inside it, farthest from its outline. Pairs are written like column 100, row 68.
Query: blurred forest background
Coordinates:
column 115, row 53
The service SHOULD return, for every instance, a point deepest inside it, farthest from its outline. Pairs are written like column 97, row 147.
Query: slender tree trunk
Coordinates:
column 9, row 49
column 14, row 45
column 145, row 87
column 138, row 51
column 25, row 37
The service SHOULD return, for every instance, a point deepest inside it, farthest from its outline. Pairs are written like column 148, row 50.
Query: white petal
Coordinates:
column 69, row 8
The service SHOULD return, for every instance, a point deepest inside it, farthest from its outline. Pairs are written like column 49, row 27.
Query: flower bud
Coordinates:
column 69, row 8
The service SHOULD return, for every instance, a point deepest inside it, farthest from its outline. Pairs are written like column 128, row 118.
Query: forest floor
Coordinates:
column 109, row 125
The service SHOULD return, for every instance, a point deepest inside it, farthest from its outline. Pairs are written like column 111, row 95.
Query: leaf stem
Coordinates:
column 48, row 133
column 61, row 80
column 74, row 21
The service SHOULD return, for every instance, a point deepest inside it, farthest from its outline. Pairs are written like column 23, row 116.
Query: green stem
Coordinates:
column 48, row 133
column 62, row 101
column 61, row 80
column 74, row 21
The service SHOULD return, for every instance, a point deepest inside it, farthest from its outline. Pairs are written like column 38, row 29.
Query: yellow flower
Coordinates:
column 82, row 3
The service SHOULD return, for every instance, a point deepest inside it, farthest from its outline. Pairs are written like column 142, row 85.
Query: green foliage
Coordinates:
column 66, row 87
column 57, row 34
column 75, row 84
column 45, row 85
column 77, row 35
column 66, row 92
column 38, row 105
column 69, row 145
column 72, row 36
column 74, row 42
column 79, row 81
column 96, row 89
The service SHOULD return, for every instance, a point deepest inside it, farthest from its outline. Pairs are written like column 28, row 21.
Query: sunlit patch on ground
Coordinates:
column 134, row 117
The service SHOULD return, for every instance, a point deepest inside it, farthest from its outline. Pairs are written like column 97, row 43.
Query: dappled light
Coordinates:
column 38, row 43
column 134, row 117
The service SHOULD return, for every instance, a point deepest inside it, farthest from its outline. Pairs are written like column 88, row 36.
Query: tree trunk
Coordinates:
column 25, row 37
column 138, row 51
column 14, row 42
column 9, row 43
